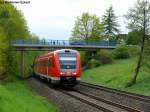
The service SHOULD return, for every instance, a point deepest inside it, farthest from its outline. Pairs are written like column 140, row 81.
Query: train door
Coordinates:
column 50, row 66
column 47, row 66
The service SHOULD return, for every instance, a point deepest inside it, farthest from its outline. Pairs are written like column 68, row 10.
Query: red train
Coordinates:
column 59, row 67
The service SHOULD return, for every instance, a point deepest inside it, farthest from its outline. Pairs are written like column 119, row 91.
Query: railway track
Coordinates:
column 99, row 103
column 118, row 92
column 88, row 96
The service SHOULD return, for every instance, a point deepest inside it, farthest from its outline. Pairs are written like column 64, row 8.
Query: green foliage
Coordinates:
column 110, row 24
column 105, row 56
column 121, row 52
column 87, row 27
column 117, row 75
column 113, row 75
column 15, row 96
column 93, row 63
column 139, row 19
column 133, row 50
column 15, row 19
column 102, row 57
column 146, row 59
column 3, row 48
column 84, row 58
column 12, row 26
column 133, row 38
column 139, row 14
column 29, row 61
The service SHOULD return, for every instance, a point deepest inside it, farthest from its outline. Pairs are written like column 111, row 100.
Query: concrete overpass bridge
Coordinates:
column 50, row 45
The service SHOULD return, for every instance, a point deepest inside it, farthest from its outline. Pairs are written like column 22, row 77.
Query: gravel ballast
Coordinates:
column 134, row 103
column 64, row 102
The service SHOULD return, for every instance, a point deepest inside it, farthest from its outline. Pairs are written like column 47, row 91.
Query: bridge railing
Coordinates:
column 65, row 42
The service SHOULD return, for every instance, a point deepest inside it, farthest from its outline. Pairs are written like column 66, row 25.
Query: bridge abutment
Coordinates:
column 22, row 67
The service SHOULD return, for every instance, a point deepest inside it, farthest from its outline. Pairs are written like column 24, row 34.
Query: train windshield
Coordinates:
column 67, row 61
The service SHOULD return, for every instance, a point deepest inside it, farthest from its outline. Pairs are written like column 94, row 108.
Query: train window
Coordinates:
column 67, row 61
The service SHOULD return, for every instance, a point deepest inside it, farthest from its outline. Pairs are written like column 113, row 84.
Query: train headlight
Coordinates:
column 74, row 73
column 61, row 73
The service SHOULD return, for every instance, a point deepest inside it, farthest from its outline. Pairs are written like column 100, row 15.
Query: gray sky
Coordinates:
column 54, row 19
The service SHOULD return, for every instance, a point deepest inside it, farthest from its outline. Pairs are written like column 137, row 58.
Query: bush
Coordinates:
column 133, row 50
column 121, row 52
column 146, row 58
column 133, row 37
column 84, row 58
column 93, row 63
column 105, row 56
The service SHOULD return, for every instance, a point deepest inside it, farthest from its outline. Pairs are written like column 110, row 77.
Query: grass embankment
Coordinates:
column 117, row 75
column 16, row 96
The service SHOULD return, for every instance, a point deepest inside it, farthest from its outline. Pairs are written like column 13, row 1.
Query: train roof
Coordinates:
column 59, row 51
column 66, row 50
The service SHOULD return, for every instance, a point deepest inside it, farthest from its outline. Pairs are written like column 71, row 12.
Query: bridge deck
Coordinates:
column 62, row 44
column 52, row 47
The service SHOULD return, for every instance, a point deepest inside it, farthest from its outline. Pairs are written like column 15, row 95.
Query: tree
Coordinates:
column 139, row 18
column 87, row 27
column 134, row 37
column 3, row 48
column 12, row 26
column 110, row 24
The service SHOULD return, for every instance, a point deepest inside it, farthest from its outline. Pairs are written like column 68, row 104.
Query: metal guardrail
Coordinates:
column 65, row 42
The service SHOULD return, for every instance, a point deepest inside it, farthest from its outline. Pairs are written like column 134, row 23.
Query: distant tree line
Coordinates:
column 89, row 27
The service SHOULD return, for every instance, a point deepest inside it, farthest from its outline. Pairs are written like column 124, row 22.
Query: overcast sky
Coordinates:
column 54, row 19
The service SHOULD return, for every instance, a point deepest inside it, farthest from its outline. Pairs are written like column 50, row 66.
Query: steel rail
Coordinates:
column 118, row 92
column 126, row 108
column 86, row 102
column 130, row 109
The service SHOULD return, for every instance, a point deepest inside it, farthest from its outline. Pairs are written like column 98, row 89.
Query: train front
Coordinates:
column 70, row 67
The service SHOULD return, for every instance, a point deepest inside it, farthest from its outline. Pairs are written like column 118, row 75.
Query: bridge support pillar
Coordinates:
column 93, row 54
column 22, row 67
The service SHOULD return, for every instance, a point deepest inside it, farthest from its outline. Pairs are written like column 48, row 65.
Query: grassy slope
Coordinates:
column 117, row 75
column 15, row 96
